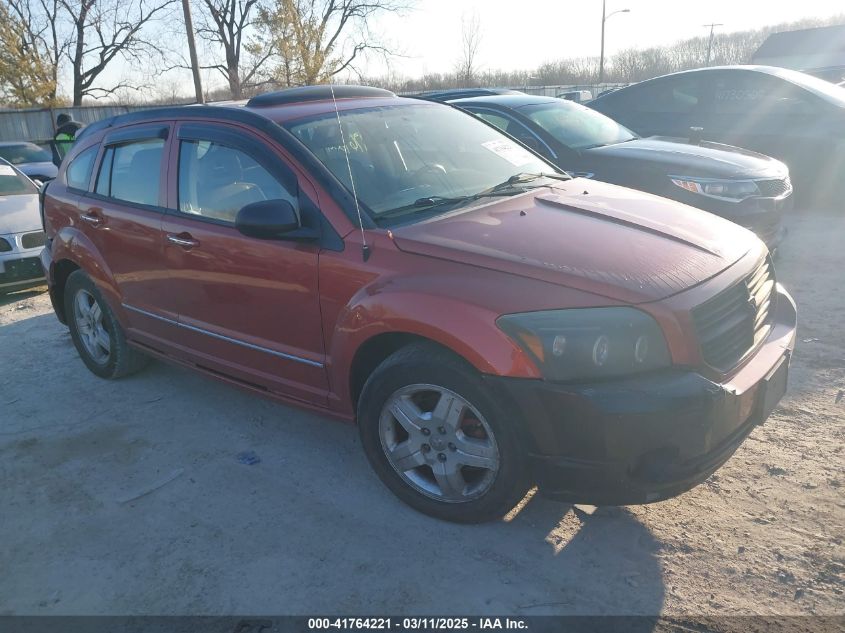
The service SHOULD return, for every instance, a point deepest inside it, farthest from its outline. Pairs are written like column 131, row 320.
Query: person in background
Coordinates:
column 66, row 129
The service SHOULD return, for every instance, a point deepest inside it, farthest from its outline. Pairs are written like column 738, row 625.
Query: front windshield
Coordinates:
column 12, row 183
column 24, row 153
column 402, row 154
column 576, row 126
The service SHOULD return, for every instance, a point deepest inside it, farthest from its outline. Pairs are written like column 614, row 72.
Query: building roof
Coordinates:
column 806, row 49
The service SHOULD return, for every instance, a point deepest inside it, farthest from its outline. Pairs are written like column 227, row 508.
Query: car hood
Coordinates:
column 19, row 214
column 46, row 168
column 604, row 239
column 678, row 156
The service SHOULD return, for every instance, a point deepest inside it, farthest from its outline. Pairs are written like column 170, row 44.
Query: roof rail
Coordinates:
column 315, row 93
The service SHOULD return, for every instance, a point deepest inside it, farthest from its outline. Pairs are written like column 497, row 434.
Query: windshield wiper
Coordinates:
column 426, row 204
column 519, row 179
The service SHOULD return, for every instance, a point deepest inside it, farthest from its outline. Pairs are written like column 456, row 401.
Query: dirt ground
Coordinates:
column 128, row 497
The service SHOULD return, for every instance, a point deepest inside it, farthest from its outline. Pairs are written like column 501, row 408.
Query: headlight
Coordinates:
column 733, row 190
column 589, row 342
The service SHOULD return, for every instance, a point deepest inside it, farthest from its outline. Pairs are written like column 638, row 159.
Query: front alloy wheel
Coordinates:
column 439, row 443
column 439, row 438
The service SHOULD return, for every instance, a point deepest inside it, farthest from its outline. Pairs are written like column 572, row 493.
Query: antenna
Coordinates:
column 365, row 247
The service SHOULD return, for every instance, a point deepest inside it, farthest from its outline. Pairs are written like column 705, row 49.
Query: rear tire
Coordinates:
column 455, row 455
column 95, row 331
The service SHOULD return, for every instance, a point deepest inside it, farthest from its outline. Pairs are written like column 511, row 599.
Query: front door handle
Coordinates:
column 183, row 239
column 93, row 217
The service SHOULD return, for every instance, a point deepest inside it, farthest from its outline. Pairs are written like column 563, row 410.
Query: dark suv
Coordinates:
column 489, row 322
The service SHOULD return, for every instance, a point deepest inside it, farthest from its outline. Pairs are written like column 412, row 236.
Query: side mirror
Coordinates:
column 267, row 219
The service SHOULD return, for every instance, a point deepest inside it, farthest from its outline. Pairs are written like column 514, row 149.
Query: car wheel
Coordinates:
column 437, row 437
column 97, row 335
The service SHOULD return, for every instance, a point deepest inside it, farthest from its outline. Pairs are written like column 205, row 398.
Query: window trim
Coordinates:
column 255, row 149
column 125, row 136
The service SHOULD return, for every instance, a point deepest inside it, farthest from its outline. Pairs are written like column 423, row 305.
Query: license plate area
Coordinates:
column 773, row 388
column 29, row 268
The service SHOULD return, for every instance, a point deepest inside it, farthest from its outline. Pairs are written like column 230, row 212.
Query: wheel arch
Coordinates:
column 62, row 269
column 380, row 323
column 72, row 250
column 376, row 349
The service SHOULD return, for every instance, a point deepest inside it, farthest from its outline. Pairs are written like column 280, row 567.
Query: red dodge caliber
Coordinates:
column 489, row 322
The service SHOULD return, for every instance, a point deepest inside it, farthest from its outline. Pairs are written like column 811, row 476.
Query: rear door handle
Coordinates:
column 183, row 239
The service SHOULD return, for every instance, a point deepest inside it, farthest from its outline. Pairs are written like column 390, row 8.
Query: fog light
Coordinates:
column 641, row 349
column 601, row 350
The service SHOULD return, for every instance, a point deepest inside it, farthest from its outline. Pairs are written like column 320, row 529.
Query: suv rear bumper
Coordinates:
column 648, row 438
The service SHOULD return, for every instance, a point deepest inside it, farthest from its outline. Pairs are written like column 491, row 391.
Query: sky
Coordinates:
column 522, row 34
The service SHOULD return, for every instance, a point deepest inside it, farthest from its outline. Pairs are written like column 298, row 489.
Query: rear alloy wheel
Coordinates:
column 95, row 331
column 439, row 439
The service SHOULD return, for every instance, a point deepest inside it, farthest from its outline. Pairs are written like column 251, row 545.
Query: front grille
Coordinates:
column 774, row 188
column 33, row 240
column 5, row 245
column 737, row 319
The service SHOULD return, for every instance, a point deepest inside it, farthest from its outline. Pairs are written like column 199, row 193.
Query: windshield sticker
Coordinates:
column 510, row 151
column 5, row 170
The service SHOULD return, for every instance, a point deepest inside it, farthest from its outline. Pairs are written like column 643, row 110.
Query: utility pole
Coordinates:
column 192, row 49
column 604, row 18
column 710, row 42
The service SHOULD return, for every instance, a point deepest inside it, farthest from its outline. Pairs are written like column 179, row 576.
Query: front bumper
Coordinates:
column 648, row 438
column 762, row 216
column 20, row 268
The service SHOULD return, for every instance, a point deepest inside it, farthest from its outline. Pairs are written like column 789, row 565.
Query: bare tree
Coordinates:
column 230, row 24
column 467, row 67
column 318, row 39
column 105, row 30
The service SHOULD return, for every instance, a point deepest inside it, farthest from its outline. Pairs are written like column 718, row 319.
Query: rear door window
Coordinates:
column 131, row 172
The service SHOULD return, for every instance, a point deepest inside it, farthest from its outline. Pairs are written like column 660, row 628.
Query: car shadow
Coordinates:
column 607, row 549
column 21, row 295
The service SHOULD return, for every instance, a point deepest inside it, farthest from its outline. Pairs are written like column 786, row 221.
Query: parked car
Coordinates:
column 460, row 93
column 578, row 96
column 489, row 322
column 32, row 160
column 21, row 235
column 794, row 117
column 747, row 188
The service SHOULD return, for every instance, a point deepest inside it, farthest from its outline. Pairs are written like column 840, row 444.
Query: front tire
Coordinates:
column 95, row 331
column 437, row 437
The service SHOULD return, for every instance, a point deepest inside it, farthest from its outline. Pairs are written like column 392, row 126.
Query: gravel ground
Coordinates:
column 128, row 497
